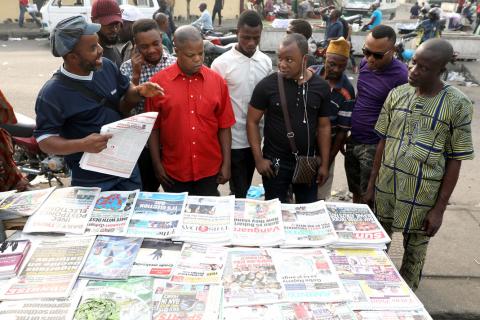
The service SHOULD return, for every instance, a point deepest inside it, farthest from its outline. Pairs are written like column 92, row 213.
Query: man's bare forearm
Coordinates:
column 449, row 181
column 61, row 146
column 129, row 100
column 324, row 137
column 253, row 132
column 154, row 146
column 225, row 140
column 376, row 163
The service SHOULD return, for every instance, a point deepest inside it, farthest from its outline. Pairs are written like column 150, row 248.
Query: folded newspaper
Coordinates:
column 22, row 204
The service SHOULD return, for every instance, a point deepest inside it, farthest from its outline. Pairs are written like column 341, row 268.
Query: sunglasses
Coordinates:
column 377, row 55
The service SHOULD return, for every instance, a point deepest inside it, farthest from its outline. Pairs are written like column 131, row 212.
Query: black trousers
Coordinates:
column 203, row 187
column 149, row 181
column 243, row 167
column 214, row 13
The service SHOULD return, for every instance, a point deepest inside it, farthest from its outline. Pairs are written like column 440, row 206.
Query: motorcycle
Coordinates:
column 28, row 157
column 213, row 51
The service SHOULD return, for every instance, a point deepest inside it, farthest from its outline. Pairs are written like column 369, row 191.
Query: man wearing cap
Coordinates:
column 342, row 99
column 107, row 13
column 86, row 93
column 204, row 22
column 130, row 14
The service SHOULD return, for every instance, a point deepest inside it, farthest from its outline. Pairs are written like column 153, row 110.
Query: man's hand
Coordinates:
column 264, row 167
column 161, row 175
column 369, row 197
column 322, row 175
column 137, row 62
column 224, row 174
column 433, row 221
column 149, row 89
column 95, row 142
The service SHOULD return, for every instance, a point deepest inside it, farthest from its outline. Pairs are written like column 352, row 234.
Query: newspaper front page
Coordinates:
column 316, row 311
column 156, row 258
column 23, row 204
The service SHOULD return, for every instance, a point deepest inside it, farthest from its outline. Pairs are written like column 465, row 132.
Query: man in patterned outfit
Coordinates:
column 425, row 134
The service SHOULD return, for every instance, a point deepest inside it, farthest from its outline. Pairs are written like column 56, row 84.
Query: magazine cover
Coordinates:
column 316, row 311
column 156, row 258
column 23, row 204
column 157, row 215
column 112, row 213
column 111, row 258
column 12, row 254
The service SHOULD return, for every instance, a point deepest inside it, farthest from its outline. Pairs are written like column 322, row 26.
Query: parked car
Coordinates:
column 388, row 7
column 53, row 11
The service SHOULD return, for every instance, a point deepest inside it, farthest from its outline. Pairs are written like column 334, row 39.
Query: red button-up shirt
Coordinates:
column 191, row 112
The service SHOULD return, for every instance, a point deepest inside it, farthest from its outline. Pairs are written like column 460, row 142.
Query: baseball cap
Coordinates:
column 106, row 12
column 130, row 13
column 67, row 33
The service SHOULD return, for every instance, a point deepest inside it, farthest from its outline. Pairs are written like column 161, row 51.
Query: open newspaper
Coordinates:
column 258, row 223
column 416, row 314
column 23, row 204
column 67, row 210
column 307, row 275
column 52, row 269
column 200, row 263
column 126, row 300
column 157, row 215
column 307, row 225
column 112, row 213
column 208, row 220
column 123, row 150
column 356, row 225
column 156, row 258
column 5, row 194
column 316, row 311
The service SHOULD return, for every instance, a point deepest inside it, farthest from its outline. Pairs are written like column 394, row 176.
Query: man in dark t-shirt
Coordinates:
column 308, row 104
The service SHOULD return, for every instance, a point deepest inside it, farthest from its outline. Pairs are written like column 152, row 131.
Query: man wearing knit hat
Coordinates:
column 341, row 101
column 130, row 14
column 107, row 13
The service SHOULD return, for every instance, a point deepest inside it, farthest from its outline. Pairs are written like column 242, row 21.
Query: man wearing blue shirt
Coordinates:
column 334, row 26
column 376, row 17
column 205, row 20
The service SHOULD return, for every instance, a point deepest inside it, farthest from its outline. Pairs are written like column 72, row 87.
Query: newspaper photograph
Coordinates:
column 23, row 204
column 316, row 311
column 250, row 278
column 112, row 213
column 208, row 220
column 124, row 148
column 258, row 223
column 159, row 286
column 157, row 215
column 156, row 258
column 52, row 269
column 307, row 275
column 67, row 210
column 307, row 225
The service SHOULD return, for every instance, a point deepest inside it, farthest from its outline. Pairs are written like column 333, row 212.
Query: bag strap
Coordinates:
column 286, row 116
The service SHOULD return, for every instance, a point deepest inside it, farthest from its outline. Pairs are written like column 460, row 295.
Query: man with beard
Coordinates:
column 130, row 14
column 148, row 58
column 108, row 14
column 86, row 93
column 193, row 125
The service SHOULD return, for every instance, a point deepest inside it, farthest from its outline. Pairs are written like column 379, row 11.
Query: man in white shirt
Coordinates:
column 205, row 20
column 243, row 67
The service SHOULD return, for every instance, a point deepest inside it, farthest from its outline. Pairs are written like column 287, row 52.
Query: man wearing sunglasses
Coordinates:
column 380, row 72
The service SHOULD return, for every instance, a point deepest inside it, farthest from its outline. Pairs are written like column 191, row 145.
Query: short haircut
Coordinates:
column 302, row 26
column 186, row 33
column 161, row 17
column 382, row 31
column 335, row 14
column 298, row 39
column 250, row 18
column 144, row 25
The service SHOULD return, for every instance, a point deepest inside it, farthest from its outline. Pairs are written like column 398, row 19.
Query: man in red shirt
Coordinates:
column 191, row 140
column 23, row 5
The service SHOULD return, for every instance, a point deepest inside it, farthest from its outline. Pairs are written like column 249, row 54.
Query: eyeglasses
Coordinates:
column 377, row 55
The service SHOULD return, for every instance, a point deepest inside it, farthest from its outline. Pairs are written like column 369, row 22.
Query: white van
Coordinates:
column 388, row 7
column 55, row 11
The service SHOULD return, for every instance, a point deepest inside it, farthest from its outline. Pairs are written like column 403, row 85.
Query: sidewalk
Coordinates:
column 29, row 31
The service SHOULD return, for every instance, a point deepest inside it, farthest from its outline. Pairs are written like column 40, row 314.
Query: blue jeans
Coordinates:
column 21, row 18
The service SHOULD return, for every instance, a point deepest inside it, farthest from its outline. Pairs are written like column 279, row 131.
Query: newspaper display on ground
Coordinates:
column 356, row 225
column 258, row 223
column 124, row 148
column 307, row 225
column 189, row 301
column 52, row 269
column 156, row 258
column 157, row 215
column 112, row 213
column 43, row 309
column 372, row 280
column 316, row 311
column 208, row 220
column 307, row 275
column 5, row 194
column 123, row 300
column 420, row 314
column 23, row 204
column 250, row 278
column 67, row 210
column 200, row 264
column 111, row 258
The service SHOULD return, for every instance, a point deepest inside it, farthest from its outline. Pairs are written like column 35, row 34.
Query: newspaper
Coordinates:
column 156, row 258
column 67, row 210
column 123, row 150
column 417, row 314
column 23, row 204
column 372, row 280
column 111, row 258
column 159, row 286
column 112, row 212
column 254, row 312
column 200, row 264
column 52, row 269
column 157, row 215
column 5, row 194
column 258, row 223
column 189, row 302
column 316, row 311
column 250, row 278
column 208, row 220
column 307, row 225
column 307, row 275
column 356, row 224
column 125, row 300
column 43, row 309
